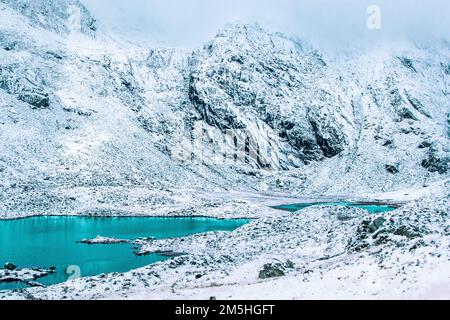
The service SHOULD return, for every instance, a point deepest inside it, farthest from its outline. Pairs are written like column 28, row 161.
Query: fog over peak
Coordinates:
column 190, row 23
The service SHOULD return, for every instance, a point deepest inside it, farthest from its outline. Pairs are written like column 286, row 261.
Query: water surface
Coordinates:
column 52, row 241
column 371, row 207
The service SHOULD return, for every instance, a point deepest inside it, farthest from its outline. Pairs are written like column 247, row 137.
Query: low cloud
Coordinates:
column 189, row 23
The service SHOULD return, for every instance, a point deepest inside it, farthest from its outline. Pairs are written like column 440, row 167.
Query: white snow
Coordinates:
column 120, row 114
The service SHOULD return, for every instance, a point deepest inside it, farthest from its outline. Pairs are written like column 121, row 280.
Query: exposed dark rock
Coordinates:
column 80, row 112
column 424, row 145
column 396, row 99
column 10, row 266
column 417, row 104
column 388, row 143
column 215, row 112
column 408, row 232
column 400, row 106
column 35, row 100
column 14, row 82
column 405, row 113
column 103, row 240
column 271, row 271
column 437, row 160
column 160, row 58
column 70, row 124
column 170, row 253
column 446, row 68
column 305, row 141
column 274, row 270
column 92, row 24
column 408, row 63
column 448, row 125
column 329, row 138
column 392, row 168
column 7, row 42
column 55, row 55
column 376, row 224
column 366, row 230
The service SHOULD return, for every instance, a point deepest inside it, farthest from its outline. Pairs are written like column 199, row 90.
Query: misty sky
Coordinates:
column 190, row 23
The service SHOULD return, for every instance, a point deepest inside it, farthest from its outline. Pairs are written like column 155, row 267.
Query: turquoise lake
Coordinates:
column 52, row 241
column 372, row 208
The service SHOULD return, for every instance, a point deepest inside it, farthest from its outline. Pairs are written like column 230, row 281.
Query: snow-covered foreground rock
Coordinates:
column 27, row 276
column 92, row 125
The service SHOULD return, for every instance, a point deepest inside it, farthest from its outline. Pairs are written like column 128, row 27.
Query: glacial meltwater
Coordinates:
column 370, row 207
column 54, row 241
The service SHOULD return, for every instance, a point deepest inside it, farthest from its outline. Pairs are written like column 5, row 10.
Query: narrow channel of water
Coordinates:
column 370, row 207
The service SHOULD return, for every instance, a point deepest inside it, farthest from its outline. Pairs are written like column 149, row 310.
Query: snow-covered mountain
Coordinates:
column 251, row 110
column 94, row 125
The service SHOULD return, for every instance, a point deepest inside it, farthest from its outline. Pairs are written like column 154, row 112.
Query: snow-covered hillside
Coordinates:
column 82, row 109
column 90, row 123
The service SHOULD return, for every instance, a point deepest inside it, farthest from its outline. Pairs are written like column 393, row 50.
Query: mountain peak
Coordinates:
column 232, row 29
column 254, row 40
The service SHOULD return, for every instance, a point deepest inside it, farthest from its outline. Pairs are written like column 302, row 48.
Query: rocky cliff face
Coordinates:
column 250, row 110
column 252, row 80
column 364, row 121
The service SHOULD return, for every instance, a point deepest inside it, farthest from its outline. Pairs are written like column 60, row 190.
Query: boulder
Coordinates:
column 271, row 271
column 393, row 168
column 275, row 270
column 10, row 266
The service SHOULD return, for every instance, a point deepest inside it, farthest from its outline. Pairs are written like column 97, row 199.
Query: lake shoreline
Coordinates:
column 199, row 204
